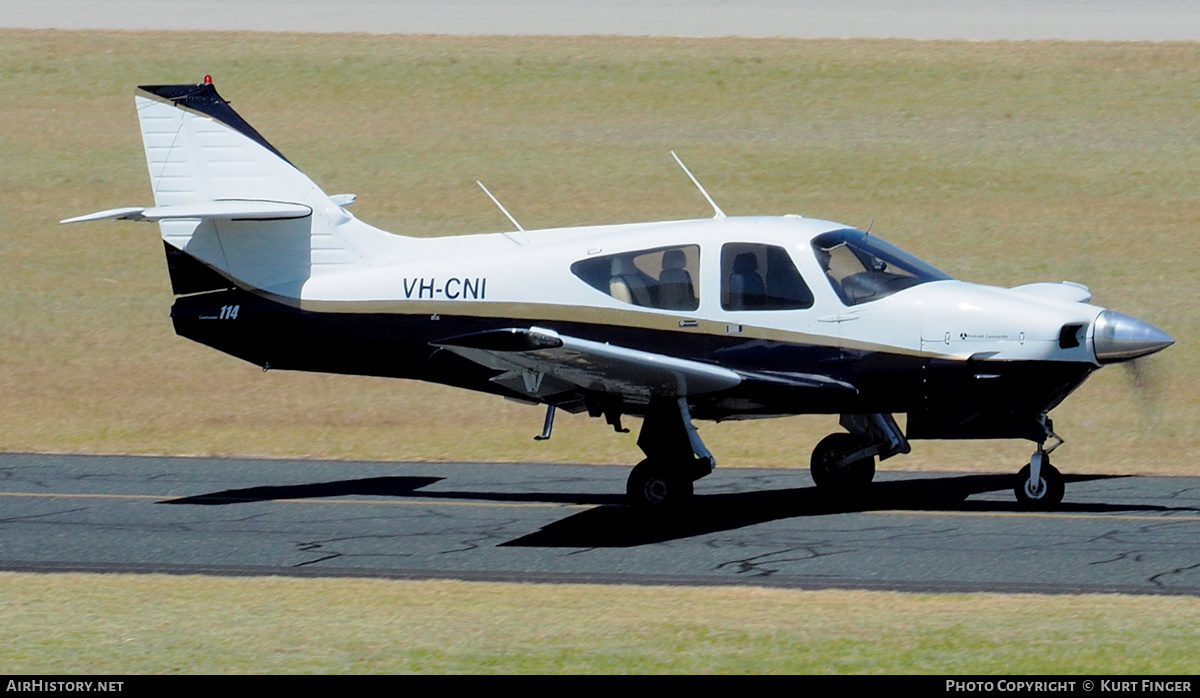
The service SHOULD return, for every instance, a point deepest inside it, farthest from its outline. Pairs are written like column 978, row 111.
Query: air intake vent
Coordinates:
column 1068, row 336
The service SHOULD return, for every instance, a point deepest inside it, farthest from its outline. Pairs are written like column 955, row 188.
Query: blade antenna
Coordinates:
column 720, row 213
column 868, row 230
column 502, row 209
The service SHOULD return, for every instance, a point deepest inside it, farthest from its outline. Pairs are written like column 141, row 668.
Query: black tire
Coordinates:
column 657, row 486
column 851, row 477
column 1047, row 496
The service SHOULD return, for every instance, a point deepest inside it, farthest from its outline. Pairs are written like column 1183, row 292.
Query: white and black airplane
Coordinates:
column 711, row 319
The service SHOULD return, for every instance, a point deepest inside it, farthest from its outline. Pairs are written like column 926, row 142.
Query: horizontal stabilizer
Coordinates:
column 129, row 213
column 536, row 354
column 227, row 210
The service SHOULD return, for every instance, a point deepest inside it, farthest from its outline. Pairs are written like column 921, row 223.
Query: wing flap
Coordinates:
column 536, row 360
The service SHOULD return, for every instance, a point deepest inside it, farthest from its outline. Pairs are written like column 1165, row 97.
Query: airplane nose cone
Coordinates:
column 1119, row 337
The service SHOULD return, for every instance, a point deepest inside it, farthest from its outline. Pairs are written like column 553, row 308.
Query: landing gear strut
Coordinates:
column 1039, row 485
column 675, row 458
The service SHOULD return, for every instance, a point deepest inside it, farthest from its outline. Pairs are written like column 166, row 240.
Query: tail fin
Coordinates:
column 199, row 149
column 228, row 198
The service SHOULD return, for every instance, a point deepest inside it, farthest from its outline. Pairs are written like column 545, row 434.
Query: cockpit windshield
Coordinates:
column 863, row 268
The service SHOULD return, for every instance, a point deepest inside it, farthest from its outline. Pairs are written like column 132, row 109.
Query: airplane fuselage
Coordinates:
column 963, row 360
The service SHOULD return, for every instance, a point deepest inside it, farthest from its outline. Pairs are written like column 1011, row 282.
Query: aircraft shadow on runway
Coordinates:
column 613, row 524
column 625, row 526
column 373, row 486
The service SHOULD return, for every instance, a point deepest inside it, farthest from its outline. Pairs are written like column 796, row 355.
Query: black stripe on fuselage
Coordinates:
column 944, row 395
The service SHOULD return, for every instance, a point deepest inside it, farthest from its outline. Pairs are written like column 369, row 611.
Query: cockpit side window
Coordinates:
column 664, row 278
column 755, row 276
column 864, row 268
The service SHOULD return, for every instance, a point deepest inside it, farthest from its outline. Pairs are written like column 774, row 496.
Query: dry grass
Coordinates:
column 1003, row 163
column 100, row 624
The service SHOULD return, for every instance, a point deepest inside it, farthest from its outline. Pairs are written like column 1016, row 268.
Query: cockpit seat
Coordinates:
column 746, row 287
column 675, row 289
column 627, row 284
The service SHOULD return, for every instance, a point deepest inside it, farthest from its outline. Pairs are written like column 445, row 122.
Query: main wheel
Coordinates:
column 1046, row 493
column 849, row 477
column 656, row 485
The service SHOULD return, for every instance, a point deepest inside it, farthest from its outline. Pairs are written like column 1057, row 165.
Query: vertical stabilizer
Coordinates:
column 198, row 149
column 201, row 152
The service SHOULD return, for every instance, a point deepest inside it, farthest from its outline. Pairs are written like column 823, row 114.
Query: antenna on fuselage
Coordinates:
column 502, row 210
column 720, row 213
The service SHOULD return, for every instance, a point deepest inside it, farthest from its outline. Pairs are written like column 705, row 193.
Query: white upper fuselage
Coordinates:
column 529, row 273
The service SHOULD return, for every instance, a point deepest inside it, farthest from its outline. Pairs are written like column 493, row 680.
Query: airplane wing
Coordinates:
column 541, row 362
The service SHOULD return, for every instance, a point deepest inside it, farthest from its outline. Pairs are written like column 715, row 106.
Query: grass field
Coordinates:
column 1003, row 163
column 98, row 624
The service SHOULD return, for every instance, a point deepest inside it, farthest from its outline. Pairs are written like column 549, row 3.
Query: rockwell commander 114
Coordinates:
column 673, row 321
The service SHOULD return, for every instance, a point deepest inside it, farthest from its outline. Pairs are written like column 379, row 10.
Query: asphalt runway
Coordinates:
column 1109, row 20
column 567, row 523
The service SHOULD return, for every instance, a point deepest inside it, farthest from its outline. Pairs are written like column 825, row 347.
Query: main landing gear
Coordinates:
column 675, row 458
column 839, row 465
column 1039, row 486
column 844, row 463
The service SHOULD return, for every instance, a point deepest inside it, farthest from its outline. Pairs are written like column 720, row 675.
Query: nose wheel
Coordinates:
column 1041, row 490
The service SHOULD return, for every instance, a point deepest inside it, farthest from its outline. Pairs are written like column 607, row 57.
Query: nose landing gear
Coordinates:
column 1039, row 486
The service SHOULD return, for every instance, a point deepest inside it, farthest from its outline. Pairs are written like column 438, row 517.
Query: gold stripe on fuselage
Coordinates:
column 617, row 317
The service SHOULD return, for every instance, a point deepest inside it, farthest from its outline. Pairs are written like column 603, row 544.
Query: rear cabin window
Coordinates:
column 664, row 278
column 761, row 277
